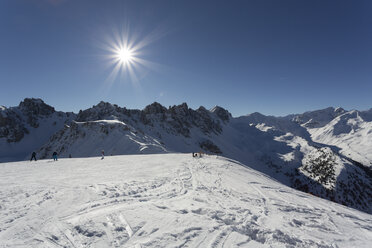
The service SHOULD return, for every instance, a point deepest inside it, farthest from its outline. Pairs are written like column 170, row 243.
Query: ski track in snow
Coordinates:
column 167, row 200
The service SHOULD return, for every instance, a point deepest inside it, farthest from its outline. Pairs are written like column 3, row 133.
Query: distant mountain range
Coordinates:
column 323, row 152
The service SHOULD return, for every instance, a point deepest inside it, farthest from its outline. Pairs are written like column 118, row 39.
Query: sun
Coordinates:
column 125, row 55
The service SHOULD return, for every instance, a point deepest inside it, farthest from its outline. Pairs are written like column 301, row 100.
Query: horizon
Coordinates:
column 177, row 104
column 275, row 58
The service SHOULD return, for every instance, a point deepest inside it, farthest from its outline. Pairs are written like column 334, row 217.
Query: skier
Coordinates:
column 55, row 158
column 103, row 154
column 33, row 156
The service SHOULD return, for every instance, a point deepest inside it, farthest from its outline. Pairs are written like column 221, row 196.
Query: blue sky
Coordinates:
column 273, row 57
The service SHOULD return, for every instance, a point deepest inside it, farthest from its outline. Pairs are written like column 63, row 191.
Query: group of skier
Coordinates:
column 55, row 156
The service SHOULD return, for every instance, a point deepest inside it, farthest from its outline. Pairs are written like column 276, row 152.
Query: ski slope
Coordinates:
column 165, row 200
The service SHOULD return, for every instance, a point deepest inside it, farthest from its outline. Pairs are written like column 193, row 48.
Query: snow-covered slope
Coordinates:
column 84, row 139
column 165, row 200
column 351, row 132
column 27, row 127
column 302, row 164
column 326, row 158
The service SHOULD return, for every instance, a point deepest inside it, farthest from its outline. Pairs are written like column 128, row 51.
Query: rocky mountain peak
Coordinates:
column 222, row 113
column 339, row 110
column 35, row 106
column 181, row 109
column 103, row 110
column 33, row 109
column 16, row 122
column 155, row 108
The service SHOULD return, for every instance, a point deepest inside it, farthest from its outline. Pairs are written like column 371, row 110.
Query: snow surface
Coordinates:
column 165, row 200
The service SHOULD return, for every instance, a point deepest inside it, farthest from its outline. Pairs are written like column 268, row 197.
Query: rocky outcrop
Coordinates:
column 12, row 126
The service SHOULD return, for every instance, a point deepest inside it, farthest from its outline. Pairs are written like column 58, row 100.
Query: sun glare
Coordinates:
column 125, row 55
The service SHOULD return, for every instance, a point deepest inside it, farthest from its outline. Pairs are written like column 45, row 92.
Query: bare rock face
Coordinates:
column 33, row 109
column 155, row 108
column 35, row 106
column 12, row 127
column 184, row 119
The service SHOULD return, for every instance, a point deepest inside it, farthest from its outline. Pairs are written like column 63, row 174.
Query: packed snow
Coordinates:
column 165, row 200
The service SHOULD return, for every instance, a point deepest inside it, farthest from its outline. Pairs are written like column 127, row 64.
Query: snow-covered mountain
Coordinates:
column 318, row 118
column 165, row 200
column 27, row 127
column 289, row 149
column 84, row 139
column 350, row 131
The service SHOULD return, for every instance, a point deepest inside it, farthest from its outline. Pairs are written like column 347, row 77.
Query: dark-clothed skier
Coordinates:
column 55, row 158
column 33, row 156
